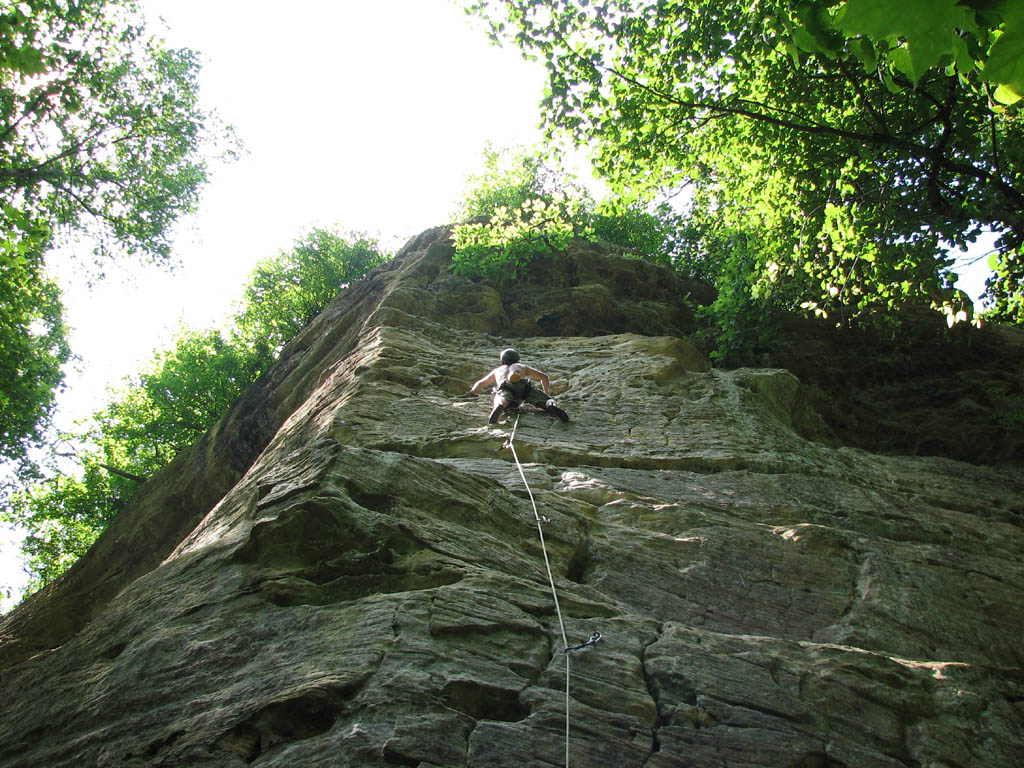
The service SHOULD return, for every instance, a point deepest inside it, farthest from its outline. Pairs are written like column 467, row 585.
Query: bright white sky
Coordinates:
column 364, row 113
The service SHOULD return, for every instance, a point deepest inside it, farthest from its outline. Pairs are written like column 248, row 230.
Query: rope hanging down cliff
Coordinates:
column 566, row 648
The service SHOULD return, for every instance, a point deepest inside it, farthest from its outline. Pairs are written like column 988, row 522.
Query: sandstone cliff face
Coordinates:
column 371, row 591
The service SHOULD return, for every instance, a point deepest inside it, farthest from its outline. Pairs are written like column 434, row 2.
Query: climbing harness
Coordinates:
column 517, row 408
column 566, row 648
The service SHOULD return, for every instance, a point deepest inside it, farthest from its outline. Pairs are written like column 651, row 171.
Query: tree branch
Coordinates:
column 885, row 139
column 855, row 83
column 72, row 454
column 122, row 473
column 876, row 139
column 995, row 142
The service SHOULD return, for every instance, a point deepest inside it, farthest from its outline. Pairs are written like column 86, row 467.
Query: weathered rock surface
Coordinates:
column 925, row 390
column 372, row 590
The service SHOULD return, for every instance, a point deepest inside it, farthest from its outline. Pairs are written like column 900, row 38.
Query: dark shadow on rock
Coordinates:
column 308, row 714
column 484, row 702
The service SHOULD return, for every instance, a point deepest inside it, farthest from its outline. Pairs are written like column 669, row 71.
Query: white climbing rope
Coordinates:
column 551, row 580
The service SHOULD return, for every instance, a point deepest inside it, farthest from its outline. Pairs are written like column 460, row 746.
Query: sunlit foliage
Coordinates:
column 102, row 140
column 846, row 145
column 520, row 206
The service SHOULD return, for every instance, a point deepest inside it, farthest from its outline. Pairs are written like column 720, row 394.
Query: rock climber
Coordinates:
column 513, row 386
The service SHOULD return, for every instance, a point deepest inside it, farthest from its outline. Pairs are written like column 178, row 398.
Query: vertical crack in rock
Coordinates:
column 582, row 557
column 652, row 688
column 859, row 584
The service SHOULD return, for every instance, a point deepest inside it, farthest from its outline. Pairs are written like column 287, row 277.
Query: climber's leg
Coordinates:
column 502, row 400
column 541, row 399
column 550, row 407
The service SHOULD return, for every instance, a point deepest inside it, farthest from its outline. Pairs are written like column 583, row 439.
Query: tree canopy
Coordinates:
column 100, row 126
column 287, row 291
column 102, row 140
column 521, row 206
column 843, row 147
column 33, row 348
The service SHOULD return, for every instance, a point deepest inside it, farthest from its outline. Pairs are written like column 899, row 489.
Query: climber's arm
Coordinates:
column 488, row 379
column 533, row 373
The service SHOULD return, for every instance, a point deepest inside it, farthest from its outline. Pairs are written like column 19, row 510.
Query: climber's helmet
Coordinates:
column 509, row 356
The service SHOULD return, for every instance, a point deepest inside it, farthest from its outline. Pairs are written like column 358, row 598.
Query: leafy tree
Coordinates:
column 101, row 135
column 33, row 348
column 93, row 474
column 181, row 393
column 850, row 142
column 521, row 206
column 287, row 291
column 518, row 206
column 100, row 126
column 66, row 512
column 501, row 245
column 510, row 177
column 175, row 399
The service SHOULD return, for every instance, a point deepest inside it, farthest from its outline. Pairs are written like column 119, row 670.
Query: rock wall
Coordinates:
column 371, row 591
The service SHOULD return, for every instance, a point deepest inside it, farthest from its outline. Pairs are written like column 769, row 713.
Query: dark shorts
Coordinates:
column 534, row 396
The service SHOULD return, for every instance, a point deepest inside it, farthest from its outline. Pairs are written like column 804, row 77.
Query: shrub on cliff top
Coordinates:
column 521, row 206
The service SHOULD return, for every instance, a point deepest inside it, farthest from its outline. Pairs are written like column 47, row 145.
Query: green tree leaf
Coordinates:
column 1008, row 95
column 927, row 27
column 1005, row 64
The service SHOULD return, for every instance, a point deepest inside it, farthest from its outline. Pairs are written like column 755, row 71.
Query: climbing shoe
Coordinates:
column 562, row 415
column 495, row 414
